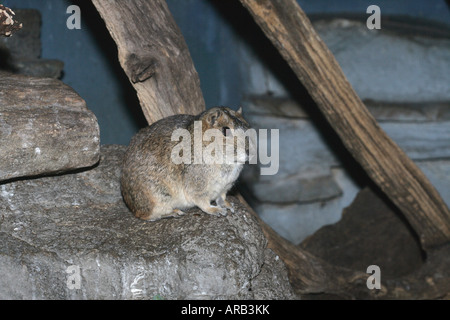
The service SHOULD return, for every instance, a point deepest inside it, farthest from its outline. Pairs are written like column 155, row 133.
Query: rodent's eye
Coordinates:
column 226, row 131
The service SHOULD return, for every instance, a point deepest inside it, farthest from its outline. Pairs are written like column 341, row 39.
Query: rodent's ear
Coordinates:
column 239, row 111
column 211, row 117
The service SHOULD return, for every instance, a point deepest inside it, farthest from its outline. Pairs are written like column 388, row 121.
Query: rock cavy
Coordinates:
column 156, row 185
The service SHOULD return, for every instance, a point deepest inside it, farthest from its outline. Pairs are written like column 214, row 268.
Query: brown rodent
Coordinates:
column 155, row 187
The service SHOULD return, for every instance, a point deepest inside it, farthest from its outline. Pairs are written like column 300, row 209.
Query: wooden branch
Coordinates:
column 154, row 55
column 289, row 29
column 8, row 25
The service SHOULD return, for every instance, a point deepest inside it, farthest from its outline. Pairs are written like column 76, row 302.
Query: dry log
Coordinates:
column 8, row 24
column 154, row 55
column 289, row 29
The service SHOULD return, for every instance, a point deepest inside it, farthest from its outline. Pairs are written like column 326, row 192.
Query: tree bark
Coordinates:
column 154, row 55
column 289, row 29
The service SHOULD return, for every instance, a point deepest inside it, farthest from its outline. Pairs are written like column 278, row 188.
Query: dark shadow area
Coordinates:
column 50, row 174
column 371, row 232
column 5, row 64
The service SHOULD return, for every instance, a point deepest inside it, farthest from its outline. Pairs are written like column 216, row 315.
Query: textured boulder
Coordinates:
column 72, row 237
column 405, row 61
column 45, row 127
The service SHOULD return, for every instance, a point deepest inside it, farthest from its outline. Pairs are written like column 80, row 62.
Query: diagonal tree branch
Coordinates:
column 289, row 29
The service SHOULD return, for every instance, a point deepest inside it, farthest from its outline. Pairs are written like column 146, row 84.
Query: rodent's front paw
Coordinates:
column 222, row 202
column 223, row 211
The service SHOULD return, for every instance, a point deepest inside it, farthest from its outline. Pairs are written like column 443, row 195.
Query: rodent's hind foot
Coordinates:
column 214, row 210
column 143, row 215
column 162, row 213
column 176, row 213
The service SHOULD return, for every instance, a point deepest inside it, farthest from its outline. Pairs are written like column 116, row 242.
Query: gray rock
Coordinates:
column 438, row 172
column 295, row 189
column 296, row 221
column 388, row 65
column 272, row 272
column 72, row 237
column 409, row 111
column 301, row 146
column 420, row 140
column 45, row 127
column 401, row 74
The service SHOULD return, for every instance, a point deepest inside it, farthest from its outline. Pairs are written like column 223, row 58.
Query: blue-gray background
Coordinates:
column 211, row 29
